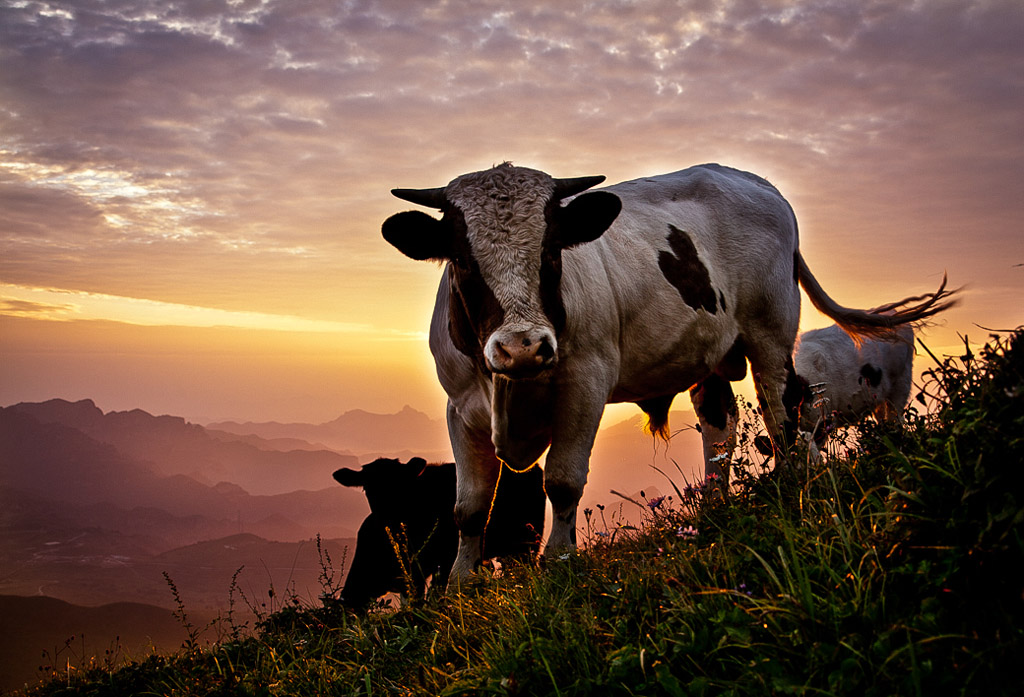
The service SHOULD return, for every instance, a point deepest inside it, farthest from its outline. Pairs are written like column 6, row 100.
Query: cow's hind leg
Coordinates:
column 779, row 393
column 715, row 404
column 476, row 468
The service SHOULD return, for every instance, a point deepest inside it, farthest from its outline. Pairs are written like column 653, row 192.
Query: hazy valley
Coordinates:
column 96, row 507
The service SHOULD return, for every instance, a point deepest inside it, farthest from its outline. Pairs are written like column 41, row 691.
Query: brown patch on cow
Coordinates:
column 684, row 270
column 872, row 374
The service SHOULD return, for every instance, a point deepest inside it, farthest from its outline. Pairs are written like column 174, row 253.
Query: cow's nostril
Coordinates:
column 546, row 351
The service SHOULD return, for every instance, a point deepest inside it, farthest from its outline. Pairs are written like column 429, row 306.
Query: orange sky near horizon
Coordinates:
column 191, row 199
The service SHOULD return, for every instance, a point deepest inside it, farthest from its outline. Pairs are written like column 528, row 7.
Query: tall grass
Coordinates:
column 894, row 569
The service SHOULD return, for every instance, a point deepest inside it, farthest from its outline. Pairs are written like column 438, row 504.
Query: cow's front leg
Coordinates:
column 567, row 465
column 476, row 471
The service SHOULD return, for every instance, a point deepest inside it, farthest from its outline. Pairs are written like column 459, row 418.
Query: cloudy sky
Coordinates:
column 191, row 191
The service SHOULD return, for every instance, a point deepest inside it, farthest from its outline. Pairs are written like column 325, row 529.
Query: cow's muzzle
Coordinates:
column 521, row 354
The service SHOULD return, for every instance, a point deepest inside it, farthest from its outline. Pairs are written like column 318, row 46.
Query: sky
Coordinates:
column 191, row 192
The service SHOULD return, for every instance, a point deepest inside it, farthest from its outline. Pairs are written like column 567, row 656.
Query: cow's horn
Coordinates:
column 433, row 198
column 565, row 188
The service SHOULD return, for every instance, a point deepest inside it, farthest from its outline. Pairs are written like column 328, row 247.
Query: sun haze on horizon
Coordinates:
column 192, row 200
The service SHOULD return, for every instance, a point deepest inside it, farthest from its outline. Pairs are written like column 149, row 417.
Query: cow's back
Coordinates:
column 733, row 239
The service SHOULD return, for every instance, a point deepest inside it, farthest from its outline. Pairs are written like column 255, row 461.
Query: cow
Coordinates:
column 851, row 381
column 556, row 300
column 410, row 534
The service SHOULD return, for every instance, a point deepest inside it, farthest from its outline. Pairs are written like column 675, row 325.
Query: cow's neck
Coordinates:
column 521, row 414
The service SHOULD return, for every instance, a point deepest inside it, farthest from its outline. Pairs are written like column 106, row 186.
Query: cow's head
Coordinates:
column 389, row 485
column 503, row 231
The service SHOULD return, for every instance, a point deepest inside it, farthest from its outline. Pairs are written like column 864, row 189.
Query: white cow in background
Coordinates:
column 848, row 382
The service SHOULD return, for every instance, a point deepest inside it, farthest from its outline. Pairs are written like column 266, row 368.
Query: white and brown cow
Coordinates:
column 851, row 381
column 555, row 302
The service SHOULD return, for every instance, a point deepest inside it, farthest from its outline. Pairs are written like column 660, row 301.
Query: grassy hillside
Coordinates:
column 895, row 570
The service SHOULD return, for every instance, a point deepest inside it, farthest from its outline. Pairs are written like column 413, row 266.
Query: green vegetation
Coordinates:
column 894, row 570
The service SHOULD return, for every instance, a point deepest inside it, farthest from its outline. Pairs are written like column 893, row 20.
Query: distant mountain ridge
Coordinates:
column 356, row 431
column 171, row 446
column 94, row 508
column 51, row 472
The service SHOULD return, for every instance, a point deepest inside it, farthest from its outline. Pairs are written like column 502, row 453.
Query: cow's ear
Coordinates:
column 418, row 235
column 586, row 217
column 417, row 465
column 349, row 477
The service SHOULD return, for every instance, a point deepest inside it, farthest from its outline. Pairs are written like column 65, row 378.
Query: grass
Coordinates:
column 893, row 570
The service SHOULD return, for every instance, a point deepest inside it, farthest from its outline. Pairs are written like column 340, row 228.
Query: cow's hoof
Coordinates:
column 463, row 582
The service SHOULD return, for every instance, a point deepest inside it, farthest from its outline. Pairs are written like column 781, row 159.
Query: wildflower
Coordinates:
column 654, row 503
column 688, row 531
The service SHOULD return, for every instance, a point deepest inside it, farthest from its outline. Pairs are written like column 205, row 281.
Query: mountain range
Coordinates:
column 95, row 507
column 357, row 431
column 168, row 446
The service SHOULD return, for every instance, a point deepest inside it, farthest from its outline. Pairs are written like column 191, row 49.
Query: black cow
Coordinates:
column 411, row 534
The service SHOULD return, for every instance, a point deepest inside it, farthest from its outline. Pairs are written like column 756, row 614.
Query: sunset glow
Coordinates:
column 183, row 185
column 65, row 305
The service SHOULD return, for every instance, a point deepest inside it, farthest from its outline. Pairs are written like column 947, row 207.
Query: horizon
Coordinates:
column 612, row 419
column 192, row 199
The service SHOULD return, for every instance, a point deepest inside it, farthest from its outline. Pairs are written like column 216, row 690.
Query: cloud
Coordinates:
column 25, row 308
column 239, row 154
column 45, row 303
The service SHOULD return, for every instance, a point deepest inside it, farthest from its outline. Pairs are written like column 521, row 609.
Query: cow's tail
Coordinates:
column 881, row 321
